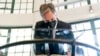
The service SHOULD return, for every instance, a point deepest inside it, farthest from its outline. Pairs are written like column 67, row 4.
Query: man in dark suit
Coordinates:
column 50, row 21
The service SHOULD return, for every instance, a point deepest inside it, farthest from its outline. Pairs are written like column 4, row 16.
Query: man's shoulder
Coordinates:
column 62, row 22
column 40, row 21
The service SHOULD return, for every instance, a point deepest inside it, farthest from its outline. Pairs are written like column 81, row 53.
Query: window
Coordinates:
column 23, row 6
column 3, row 37
column 10, row 35
column 83, row 31
column 6, row 6
column 16, row 6
column 70, row 6
column 97, row 31
column 56, row 2
column 93, row 1
column 85, row 51
column 98, row 36
column 77, row 4
column 97, row 22
column 20, row 34
column 27, row 6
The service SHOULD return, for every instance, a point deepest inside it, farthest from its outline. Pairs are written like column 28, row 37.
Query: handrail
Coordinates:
column 48, row 41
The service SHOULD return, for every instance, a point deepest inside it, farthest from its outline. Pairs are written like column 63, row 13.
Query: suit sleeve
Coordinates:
column 70, row 34
column 36, row 31
column 39, row 46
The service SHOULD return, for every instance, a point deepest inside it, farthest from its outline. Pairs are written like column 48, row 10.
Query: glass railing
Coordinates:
column 48, row 42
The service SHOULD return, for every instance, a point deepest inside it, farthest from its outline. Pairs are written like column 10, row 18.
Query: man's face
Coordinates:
column 48, row 16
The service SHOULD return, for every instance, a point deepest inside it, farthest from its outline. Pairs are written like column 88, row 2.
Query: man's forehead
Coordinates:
column 45, row 11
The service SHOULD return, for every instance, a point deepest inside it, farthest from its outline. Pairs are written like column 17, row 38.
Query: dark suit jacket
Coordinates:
column 62, row 34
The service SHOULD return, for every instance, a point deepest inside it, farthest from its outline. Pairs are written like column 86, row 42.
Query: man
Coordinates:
column 50, row 21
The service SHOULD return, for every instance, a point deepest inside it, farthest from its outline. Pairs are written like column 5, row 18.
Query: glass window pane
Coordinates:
column 20, row 39
column 22, row 11
column 10, row 54
column 92, row 52
column 28, row 32
column 23, row 0
column 88, row 37
column 29, row 5
column 84, row 3
column 86, row 51
column 3, row 5
column 11, row 50
column 8, row 6
column 3, row 40
column 93, row 1
column 87, row 25
column 3, row 50
column 19, row 48
column 54, row 1
column 27, row 48
column 17, row 6
column 79, row 26
column 14, row 32
column 16, row 11
column 7, row 11
column 29, row 11
column 17, row 0
column 97, row 22
column 77, row 4
column 47, row 0
column 98, row 36
column 3, row 32
column 20, row 32
column 77, row 34
column 57, row 9
column 61, row 8
column 1, row 11
column 13, row 39
column 26, row 54
column 3, row 0
column 18, row 54
column 9, row 0
column 23, row 6
column 28, row 38
column 60, row 1
column 73, row 27
column 70, row 6
column 30, row 0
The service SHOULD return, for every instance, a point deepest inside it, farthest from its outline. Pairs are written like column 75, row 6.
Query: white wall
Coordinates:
column 69, row 15
column 37, row 4
column 79, row 14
